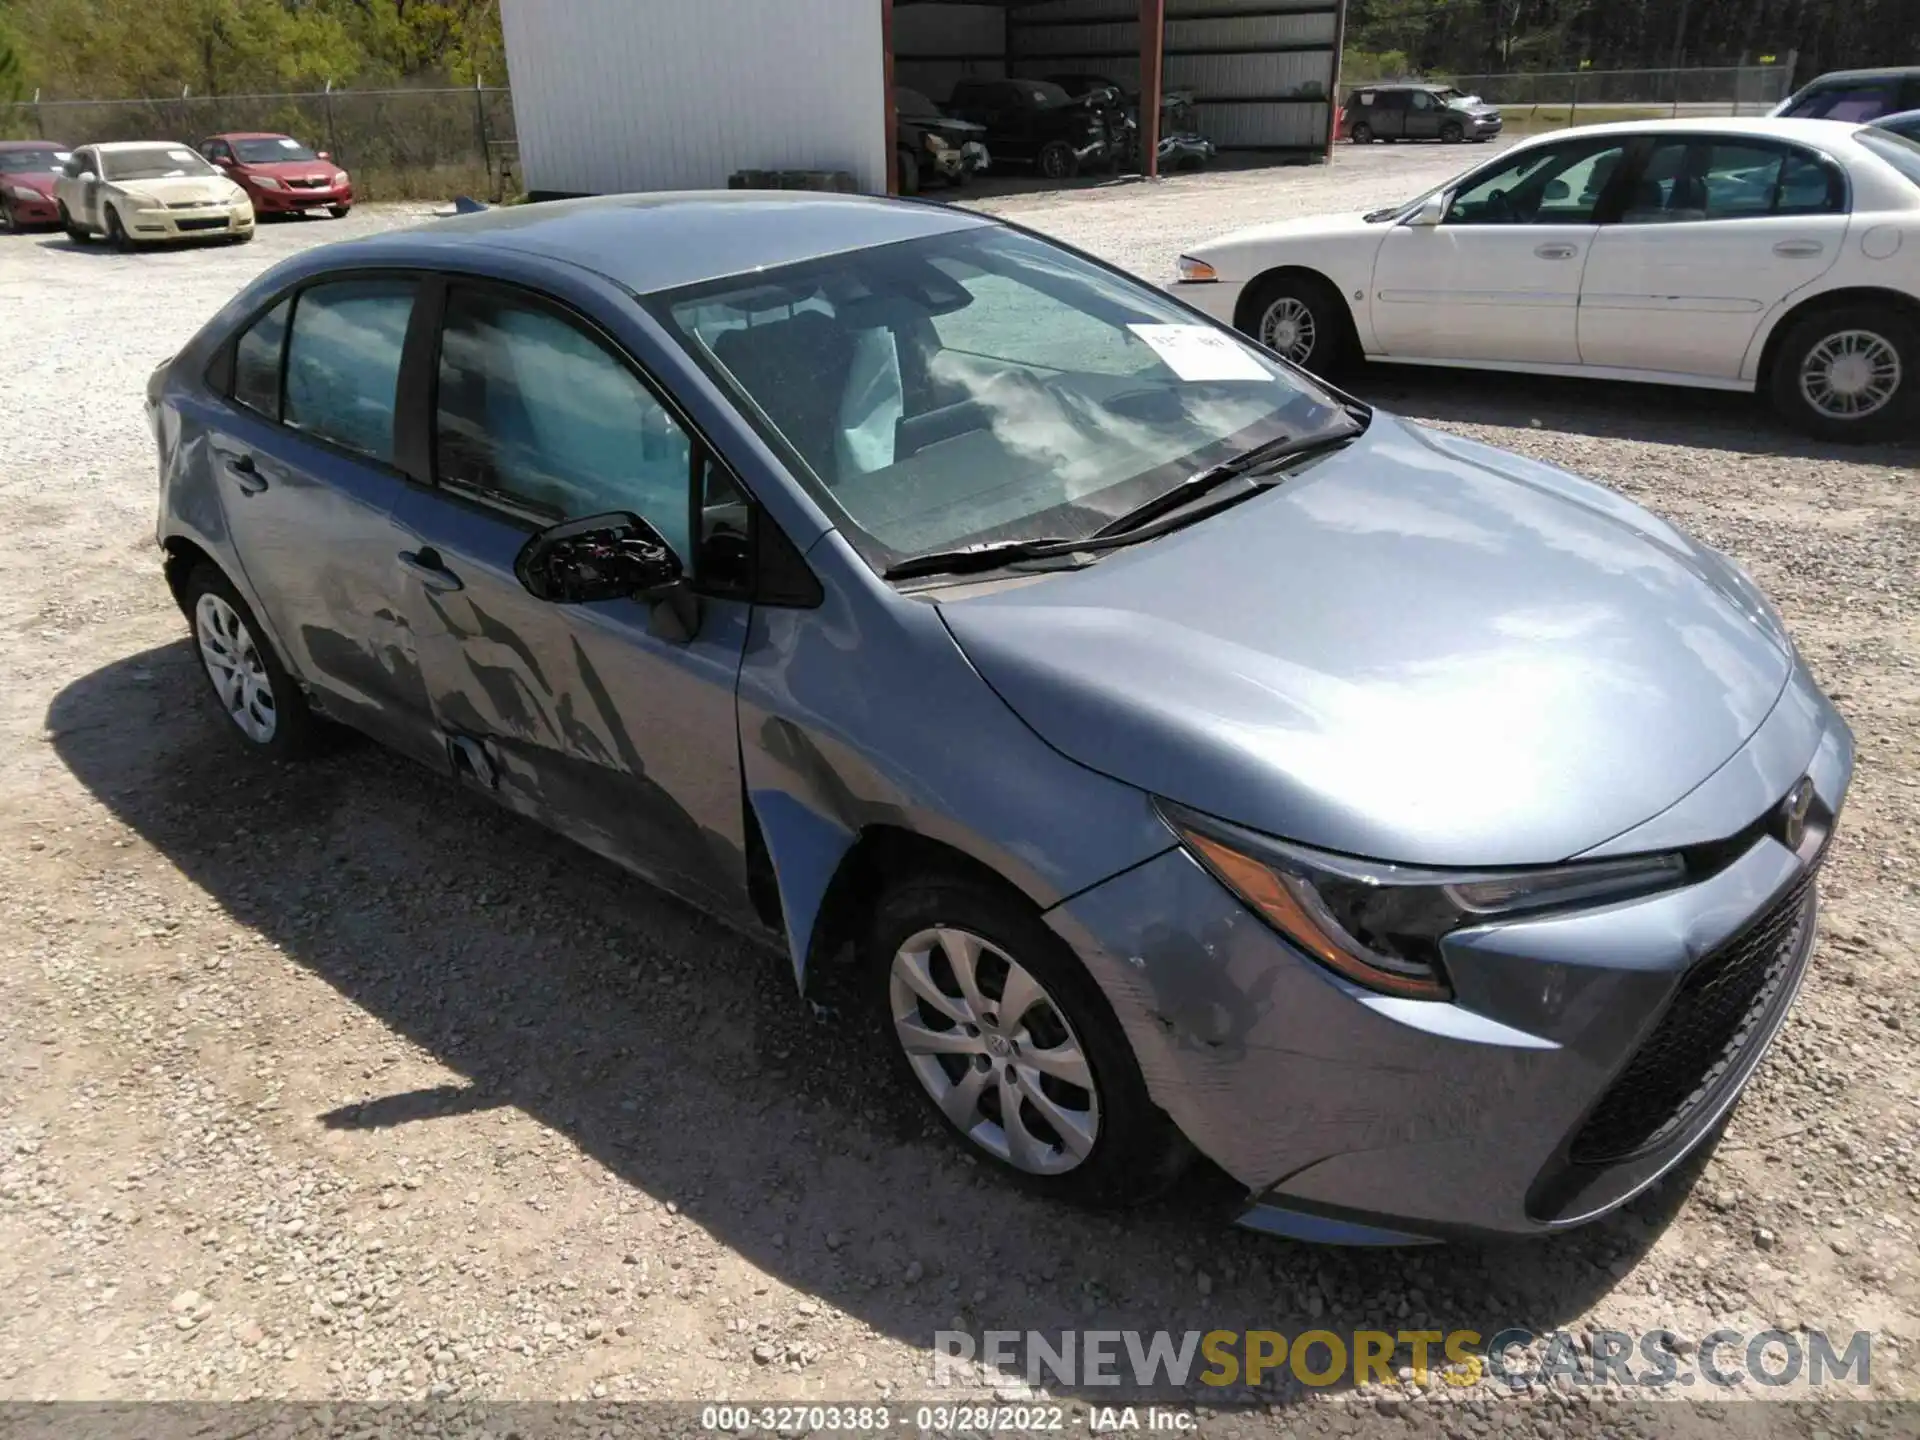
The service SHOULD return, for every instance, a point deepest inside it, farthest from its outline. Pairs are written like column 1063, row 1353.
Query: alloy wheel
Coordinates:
column 235, row 666
column 994, row 1050
column 1288, row 328
column 1850, row 375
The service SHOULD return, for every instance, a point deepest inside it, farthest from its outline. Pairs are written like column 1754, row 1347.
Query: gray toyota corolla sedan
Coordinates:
column 1190, row 757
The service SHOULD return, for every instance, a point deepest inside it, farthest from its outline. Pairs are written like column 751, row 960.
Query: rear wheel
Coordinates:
column 251, row 686
column 1362, row 133
column 994, row 1020
column 1850, row 373
column 7, row 223
column 1452, row 133
column 1301, row 318
column 1057, row 160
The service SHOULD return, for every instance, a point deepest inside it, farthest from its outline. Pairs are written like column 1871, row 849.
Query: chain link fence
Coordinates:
column 398, row 144
column 1552, row 99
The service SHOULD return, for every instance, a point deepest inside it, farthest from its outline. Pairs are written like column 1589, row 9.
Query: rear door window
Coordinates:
column 1732, row 180
column 256, row 362
column 343, row 361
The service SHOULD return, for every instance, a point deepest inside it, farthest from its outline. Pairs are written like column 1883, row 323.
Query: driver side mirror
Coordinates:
column 616, row 556
column 1431, row 212
column 86, row 175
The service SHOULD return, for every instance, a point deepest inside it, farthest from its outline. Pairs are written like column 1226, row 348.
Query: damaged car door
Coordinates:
column 610, row 719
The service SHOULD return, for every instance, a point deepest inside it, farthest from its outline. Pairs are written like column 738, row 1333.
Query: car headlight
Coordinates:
column 935, row 145
column 1379, row 925
column 1195, row 271
column 21, row 192
column 339, row 178
column 266, row 182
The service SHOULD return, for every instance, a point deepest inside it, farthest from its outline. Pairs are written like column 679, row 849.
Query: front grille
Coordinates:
column 307, row 184
column 217, row 223
column 1725, row 1001
column 187, row 204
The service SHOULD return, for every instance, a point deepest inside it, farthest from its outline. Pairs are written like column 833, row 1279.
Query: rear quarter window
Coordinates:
column 1897, row 150
column 343, row 362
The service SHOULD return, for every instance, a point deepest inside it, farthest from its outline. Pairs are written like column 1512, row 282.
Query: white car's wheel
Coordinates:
column 1301, row 318
column 1850, row 373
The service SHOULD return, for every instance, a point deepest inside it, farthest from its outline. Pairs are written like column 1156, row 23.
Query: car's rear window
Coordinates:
column 1897, row 150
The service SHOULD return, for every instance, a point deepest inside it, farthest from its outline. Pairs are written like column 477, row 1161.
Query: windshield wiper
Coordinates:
column 990, row 555
column 1261, row 457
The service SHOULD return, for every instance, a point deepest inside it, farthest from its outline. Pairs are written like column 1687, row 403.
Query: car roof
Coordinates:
column 1882, row 72
column 34, row 145
column 115, row 147
column 251, row 135
column 1407, row 85
column 664, row 240
column 1810, row 132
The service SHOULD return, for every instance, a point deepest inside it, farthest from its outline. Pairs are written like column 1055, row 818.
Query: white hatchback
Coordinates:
column 1774, row 255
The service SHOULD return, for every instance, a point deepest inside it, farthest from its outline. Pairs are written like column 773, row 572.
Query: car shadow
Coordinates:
column 675, row 1054
column 1605, row 409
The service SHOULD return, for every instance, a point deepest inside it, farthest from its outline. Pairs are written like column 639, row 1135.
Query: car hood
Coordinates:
column 1418, row 649
column 1307, row 227
column 41, row 181
column 294, row 169
column 179, row 189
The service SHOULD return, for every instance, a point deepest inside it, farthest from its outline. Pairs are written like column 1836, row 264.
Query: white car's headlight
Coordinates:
column 1194, row 271
column 1380, row 925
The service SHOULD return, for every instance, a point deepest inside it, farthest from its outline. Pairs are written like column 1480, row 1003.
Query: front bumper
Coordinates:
column 285, row 202
column 1356, row 1118
column 41, row 210
column 1219, row 299
column 198, row 222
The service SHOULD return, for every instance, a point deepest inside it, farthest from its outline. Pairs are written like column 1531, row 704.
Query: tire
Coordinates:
column 909, row 168
column 1362, row 134
column 7, row 223
column 339, row 212
column 223, row 626
column 1057, row 161
column 1278, row 308
column 117, row 232
column 1826, row 354
column 76, row 232
column 1451, row 133
column 1123, row 1150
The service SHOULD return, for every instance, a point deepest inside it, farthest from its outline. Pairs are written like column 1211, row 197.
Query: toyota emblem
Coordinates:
column 1793, row 814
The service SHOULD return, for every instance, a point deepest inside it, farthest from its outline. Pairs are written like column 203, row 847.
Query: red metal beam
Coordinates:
column 1153, row 54
column 1333, row 83
column 887, row 116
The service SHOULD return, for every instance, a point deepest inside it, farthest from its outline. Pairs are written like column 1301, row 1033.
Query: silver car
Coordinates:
column 1188, row 757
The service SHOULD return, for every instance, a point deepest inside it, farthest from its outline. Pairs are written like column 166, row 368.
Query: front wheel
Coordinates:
column 1851, row 373
column 993, row 1019
column 117, row 232
column 1300, row 318
column 76, row 232
column 1057, row 160
column 251, row 686
column 909, row 176
column 1451, row 133
column 339, row 212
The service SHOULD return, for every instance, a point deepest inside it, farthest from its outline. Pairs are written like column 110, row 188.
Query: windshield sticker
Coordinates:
column 182, row 157
column 1199, row 352
column 289, row 144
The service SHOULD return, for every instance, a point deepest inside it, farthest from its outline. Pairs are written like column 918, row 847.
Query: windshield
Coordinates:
column 1859, row 100
column 33, row 162
column 1897, row 150
column 268, row 152
column 152, row 162
column 912, row 102
column 984, row 385
column 1045, row 92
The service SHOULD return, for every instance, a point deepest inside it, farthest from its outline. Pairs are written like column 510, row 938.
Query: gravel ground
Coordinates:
column 331, row 1082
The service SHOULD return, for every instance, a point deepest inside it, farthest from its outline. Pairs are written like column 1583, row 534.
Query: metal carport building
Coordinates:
column 616, row 95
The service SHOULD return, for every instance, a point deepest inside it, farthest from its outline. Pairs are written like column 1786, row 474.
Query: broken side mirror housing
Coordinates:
column 616, row 556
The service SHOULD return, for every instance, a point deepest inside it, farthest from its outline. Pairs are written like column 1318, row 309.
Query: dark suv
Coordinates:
column 1417, row 112
column 1035, row 122
column 1857, row 96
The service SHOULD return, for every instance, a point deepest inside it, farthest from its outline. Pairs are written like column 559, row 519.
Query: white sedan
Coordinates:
column 1774, row 255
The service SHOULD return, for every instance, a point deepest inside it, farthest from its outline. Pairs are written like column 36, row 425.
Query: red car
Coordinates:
column 26, row 182
column 279, row 174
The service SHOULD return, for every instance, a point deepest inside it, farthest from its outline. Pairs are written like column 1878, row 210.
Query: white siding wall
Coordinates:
column 616, row 95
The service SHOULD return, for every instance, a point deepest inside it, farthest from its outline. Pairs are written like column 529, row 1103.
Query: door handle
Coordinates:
column 246, row 474
column 1556, row 252
column 1799, row 249
column 425, row 563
